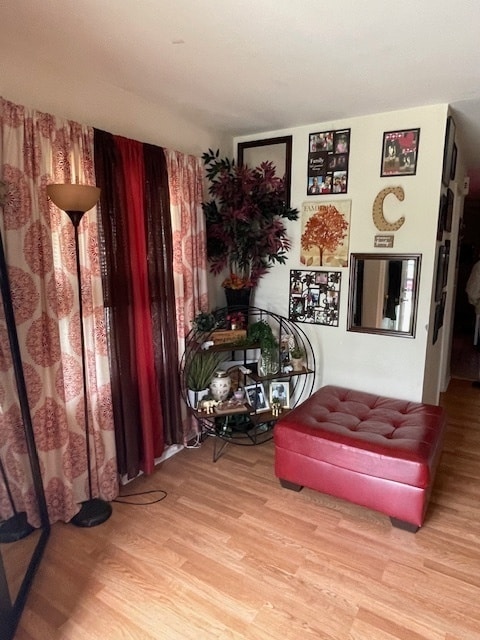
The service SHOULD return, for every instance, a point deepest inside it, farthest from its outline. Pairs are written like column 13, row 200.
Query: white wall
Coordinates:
column 103, row 106
column 381, row 364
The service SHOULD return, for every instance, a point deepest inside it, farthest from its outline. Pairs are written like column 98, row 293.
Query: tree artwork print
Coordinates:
column 325, row 233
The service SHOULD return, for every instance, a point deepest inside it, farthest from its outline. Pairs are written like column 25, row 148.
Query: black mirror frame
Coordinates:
column 287, row 141
column 355, row 258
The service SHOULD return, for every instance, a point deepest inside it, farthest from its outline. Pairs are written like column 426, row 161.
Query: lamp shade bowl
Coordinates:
column 73, row 197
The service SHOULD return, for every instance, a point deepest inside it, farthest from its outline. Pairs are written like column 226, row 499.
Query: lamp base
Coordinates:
column 15, row 528
column 92, row 513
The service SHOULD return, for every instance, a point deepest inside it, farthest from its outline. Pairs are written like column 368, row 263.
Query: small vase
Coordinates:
column 297, row 364
column 268, row 363
column 220, row 386
column 239, row 395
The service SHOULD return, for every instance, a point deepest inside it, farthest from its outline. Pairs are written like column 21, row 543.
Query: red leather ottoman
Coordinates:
column 378, row 452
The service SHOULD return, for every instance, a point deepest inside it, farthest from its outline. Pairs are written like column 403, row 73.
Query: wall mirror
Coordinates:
column 276, row 150
column 383, row 293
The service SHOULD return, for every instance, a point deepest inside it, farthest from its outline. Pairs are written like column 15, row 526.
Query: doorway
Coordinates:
column 465, row 356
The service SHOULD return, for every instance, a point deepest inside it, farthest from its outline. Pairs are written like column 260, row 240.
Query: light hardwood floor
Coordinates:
column 229, row 554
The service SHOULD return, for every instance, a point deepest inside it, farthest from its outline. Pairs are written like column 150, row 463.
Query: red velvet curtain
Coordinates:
column 136, row 249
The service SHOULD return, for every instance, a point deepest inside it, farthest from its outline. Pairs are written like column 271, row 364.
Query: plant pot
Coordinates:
column 297, row 364
column 238, row 299
column 194, row 397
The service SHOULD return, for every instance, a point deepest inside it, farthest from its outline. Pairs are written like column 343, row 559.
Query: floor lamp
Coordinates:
column 76, row 200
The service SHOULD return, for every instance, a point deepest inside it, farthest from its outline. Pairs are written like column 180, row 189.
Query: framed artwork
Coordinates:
column 328, row 154
column 442, row 216
column 325, row 233
column 446, row 261
column 400, row 153
column 438, row 321
column 453, row 168
column 280, row 392
column 442, row 264
column 315, row 297
column 448, row 151
column 256, row 397
column 449, row 210
column 276, row 150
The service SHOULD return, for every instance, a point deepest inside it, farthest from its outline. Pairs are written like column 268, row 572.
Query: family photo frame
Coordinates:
column 280, row 392
column 400, row 153
column 256, row 397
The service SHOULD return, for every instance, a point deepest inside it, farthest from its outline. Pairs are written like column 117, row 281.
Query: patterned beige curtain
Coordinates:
column 38, row 149
column 185, row 179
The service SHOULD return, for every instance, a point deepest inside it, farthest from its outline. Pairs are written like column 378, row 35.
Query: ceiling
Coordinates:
column 256, row 65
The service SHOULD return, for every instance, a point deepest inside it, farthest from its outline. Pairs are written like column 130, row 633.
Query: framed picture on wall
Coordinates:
column 448, row 151
column 442, row 260
column 449, row 211
column 453, row 168
column 276, row 150
column 327, row 168
column 442, row 216
column 400, row 153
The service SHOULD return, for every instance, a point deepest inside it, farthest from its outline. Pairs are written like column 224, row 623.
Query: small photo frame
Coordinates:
column 256, row 397
column 400, row 153
column 280, row 392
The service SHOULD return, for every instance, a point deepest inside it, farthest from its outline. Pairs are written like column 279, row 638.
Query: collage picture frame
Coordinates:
column 315, row 297
column 328, row 157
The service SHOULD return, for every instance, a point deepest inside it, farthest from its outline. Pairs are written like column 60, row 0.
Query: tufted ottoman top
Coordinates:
column 378, row 436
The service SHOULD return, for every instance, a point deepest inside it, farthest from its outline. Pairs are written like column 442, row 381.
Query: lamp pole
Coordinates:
column 76, row 200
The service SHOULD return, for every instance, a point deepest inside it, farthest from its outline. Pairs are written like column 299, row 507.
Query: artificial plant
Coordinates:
column 244, row 219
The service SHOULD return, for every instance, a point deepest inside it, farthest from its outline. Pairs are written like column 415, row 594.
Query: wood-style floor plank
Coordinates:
column 231, row 555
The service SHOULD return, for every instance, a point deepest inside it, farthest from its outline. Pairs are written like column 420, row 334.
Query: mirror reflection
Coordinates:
column 383, row 293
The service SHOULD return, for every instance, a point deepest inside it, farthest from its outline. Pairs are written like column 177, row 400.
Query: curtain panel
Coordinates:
column 37, row 149
column 185, row 177
column 136, row 239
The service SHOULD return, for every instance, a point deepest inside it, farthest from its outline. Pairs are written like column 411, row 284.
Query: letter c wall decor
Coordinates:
column 377, row 210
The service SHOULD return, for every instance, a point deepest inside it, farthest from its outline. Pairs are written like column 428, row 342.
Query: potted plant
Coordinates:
column 246, row 235
column 296, row 357
column 200, row 368
column 204, row 321
column 262, row 333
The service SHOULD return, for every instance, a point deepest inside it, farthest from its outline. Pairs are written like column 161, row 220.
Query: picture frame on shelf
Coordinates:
column 280, row 392
column 255, row 394
column 400, row 153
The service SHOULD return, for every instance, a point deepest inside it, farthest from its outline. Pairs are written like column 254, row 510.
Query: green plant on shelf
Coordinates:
column 204, row 321
column 261, row 332
column 297, row 352
column 200, row 368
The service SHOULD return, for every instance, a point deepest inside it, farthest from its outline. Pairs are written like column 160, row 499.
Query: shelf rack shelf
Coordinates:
column 250, row 427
